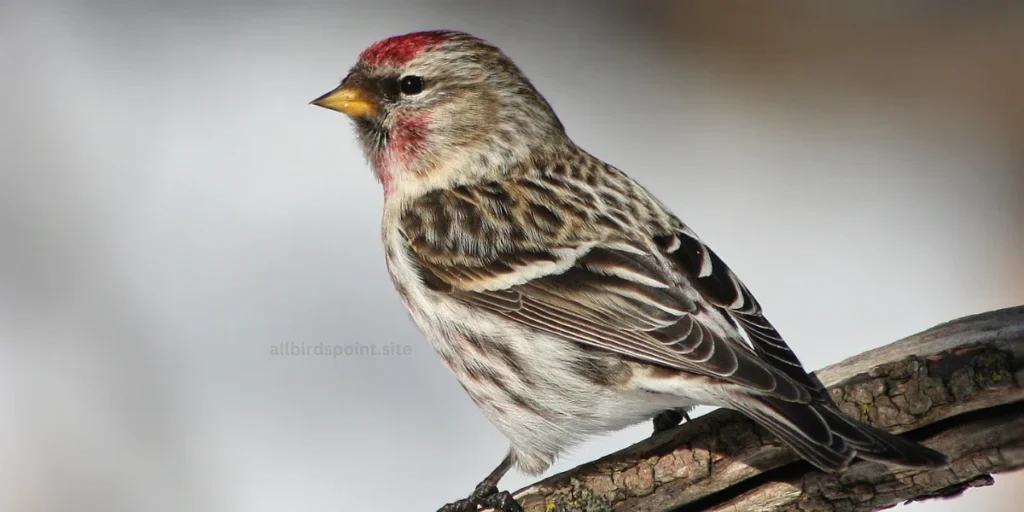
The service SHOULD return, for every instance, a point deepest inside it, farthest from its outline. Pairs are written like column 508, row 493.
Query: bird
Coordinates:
column 567, row 300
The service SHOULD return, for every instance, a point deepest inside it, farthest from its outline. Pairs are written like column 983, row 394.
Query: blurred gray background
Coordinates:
column 171, row 208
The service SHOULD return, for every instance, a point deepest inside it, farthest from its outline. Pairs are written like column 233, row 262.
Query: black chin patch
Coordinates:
column 372, row 133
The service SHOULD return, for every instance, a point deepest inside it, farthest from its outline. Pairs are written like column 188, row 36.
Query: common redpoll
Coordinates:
column 565, row 298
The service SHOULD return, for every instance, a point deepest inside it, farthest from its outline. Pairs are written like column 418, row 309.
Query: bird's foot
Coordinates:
column 668, row 419
column 502, row 502
column 484, row 496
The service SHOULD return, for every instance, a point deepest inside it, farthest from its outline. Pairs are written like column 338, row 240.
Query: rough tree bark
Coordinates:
column 958, row 387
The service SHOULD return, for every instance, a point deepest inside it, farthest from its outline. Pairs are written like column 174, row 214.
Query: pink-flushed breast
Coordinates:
column 398, row 50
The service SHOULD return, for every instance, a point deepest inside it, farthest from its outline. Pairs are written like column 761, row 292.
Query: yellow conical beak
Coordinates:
column 352, row 101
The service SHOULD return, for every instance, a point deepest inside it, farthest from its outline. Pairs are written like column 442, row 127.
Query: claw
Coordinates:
column 668, row 419
column 502, row 502
column 481, row 498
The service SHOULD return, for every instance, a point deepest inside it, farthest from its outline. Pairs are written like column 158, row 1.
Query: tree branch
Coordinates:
column 957, row 387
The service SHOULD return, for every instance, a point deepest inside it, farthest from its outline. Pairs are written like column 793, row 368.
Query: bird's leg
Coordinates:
column 669, row 418
column 486, row 494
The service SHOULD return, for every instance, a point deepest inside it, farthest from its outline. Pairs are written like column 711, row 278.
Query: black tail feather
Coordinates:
column 833, row 456
column 885, row 446
column 825, row 437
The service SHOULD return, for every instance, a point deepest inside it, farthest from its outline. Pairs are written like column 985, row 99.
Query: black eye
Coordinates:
column 411, row 85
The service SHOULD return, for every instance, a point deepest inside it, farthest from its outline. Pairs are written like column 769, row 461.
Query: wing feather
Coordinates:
column 720, row 285
column 642, row 318
column 665, row 299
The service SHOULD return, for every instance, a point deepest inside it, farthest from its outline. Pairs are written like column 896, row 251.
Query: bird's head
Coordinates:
column 437, row 108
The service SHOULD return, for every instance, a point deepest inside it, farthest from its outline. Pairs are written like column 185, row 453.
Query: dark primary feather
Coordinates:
column 719, row 285
column 817, row 431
